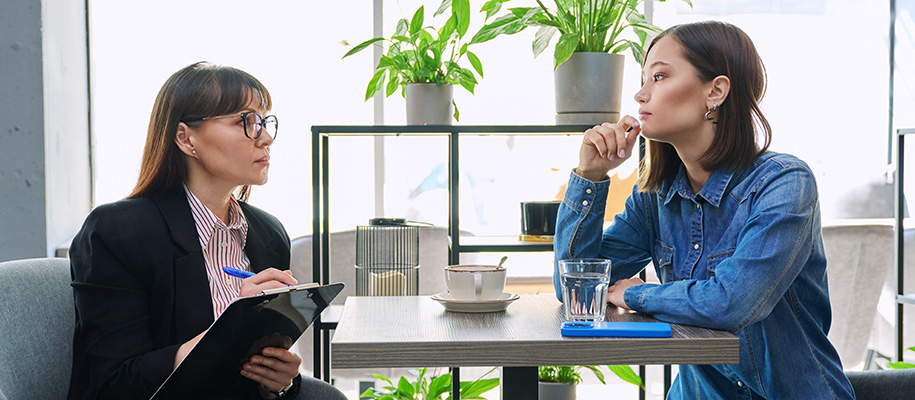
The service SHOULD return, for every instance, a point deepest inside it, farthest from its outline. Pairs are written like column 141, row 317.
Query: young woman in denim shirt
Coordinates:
column 733, row 230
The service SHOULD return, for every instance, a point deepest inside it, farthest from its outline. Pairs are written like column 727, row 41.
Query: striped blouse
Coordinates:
column 223, row 246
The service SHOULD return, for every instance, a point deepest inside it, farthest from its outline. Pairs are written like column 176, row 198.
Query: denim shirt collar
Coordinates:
column 712, row 191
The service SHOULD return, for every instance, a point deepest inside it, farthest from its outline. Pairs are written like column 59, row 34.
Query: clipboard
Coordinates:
column 274, row 318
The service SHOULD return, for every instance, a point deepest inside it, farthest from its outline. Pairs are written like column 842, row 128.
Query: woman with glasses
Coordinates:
column 732, row 230
column 146, row 270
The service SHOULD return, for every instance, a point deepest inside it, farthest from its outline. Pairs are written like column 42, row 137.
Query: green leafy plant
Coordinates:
column 429, row 385
column 572, row 375
column 583, row 26
column 902, row 364
column 424, row 54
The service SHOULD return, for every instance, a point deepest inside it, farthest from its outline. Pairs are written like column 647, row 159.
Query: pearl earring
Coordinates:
column 194, row 151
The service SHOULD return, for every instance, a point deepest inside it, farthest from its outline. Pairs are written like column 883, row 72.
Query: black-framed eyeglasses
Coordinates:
column 254, row 123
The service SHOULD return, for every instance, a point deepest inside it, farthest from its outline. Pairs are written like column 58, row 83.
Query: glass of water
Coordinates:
column 584, row 288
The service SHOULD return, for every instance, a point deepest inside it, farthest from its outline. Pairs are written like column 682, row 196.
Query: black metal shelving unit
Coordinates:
column 902, row 298
column 321, row 136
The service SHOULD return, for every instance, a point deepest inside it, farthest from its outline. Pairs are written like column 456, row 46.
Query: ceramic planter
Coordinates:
column 429, row 104
column 556, row 391
column 588, row 88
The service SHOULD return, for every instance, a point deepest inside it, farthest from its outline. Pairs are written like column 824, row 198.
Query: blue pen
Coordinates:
column 237, row 272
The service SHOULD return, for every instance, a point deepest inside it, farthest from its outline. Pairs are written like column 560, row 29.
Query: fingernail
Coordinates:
column 622, row 153
column 244, row 373
column 611, row 158
column 637, row 123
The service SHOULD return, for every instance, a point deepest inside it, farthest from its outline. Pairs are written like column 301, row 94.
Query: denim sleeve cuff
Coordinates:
column 636, row 296
column 584, row 195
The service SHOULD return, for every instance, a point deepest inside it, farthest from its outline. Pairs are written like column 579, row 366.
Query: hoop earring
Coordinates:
column 710, row 110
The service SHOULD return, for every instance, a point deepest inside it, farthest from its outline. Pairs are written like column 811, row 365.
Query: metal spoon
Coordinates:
column 502, row 261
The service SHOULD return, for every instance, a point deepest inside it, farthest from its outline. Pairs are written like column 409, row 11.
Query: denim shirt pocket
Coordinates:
column 717, row 258
column 664, row 262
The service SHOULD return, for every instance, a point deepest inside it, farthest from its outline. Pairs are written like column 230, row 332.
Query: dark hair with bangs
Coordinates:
column 198, row 90
column 714, row 49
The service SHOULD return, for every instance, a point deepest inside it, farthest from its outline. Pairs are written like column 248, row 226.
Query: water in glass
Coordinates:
column 584, row 289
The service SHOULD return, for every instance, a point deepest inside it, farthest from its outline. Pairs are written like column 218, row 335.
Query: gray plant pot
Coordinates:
column 588, row 88
column 429, row 104
column 556, row 391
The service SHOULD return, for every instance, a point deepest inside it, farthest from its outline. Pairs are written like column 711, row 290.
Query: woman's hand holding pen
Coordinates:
column 604, row 147
column 270, row 278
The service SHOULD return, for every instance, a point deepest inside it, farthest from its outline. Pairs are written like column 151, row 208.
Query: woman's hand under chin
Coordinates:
column 606, row 146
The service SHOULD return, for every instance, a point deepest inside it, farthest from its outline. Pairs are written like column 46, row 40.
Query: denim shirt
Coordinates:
column 744, row 255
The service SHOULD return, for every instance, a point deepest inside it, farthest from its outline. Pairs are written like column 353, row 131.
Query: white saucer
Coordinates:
column 475, row 306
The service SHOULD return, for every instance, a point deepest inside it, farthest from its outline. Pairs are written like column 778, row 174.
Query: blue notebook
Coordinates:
column 616, row 329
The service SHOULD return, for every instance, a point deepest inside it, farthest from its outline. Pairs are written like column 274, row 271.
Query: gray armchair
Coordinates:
column 883, row 385
column 36, row 328
column 859, row 256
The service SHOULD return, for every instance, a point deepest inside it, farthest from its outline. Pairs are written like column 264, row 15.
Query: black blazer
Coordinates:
column 141, row 290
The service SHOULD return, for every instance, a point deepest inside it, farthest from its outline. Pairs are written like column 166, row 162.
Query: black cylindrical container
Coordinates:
column 538, row 218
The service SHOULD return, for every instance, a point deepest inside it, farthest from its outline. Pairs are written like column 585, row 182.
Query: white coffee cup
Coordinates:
column 475, row 282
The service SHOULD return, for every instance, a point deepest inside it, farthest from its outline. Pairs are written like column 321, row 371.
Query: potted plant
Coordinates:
column 559, row 383
column 428, row 387
column 588, row 69
column 426, row 62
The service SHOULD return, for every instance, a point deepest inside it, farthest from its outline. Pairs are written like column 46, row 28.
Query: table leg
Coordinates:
column 456, row 383
column 519, row 383
column 667, row 377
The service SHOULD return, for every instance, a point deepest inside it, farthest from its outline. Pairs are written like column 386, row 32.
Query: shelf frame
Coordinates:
column 321, row 135
column 902, row 298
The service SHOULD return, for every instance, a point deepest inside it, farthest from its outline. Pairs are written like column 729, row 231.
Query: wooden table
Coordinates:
column 416, row 331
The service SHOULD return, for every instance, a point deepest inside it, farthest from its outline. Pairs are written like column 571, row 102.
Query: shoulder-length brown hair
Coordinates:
column 198, row 90
column 717, row 48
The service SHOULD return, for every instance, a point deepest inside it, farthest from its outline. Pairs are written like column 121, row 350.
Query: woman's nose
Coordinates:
column 265, row 139
column 641, row 96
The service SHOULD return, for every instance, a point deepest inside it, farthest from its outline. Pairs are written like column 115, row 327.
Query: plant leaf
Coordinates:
column 393, row 84
column 361, row 46
column 597, row 372
column 375, row 84
column 457, row 117
column 417, row 22
column 439, row 385
column 637, row 52
column 446, row 4
column 475, row 62
column 566, row 45
column 504, row 25
column 405, row 386
column 627, row 374
column 448, row 29
column 542, row 39
column 491, row 7
column 403, row 28
column 473, row 390
column 461, row 11
column 622, row 46
column 900, row 365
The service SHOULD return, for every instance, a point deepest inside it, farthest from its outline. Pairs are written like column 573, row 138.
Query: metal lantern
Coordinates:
column 387, row 258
